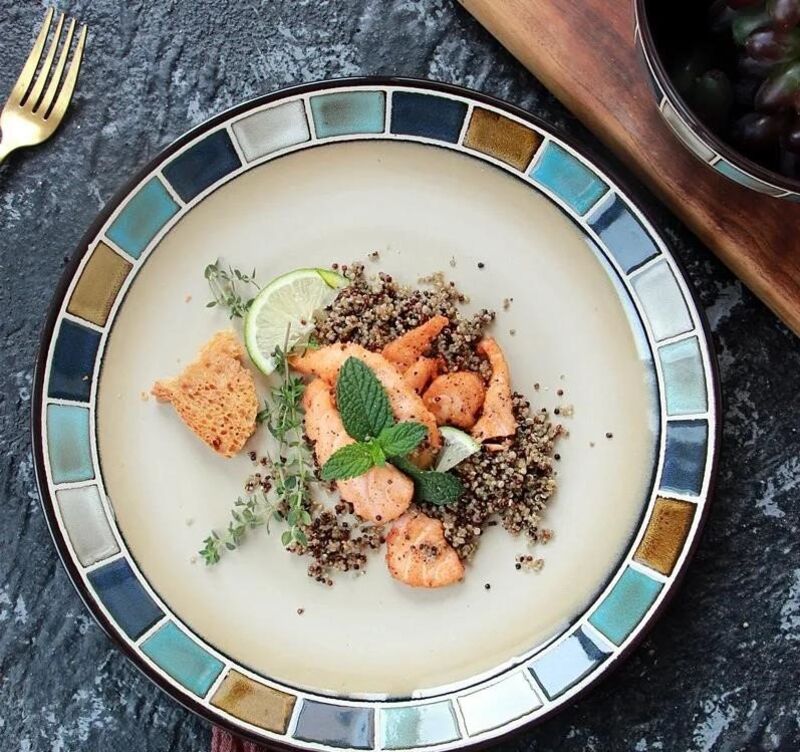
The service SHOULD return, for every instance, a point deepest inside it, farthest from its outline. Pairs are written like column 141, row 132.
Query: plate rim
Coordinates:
column 634, row 193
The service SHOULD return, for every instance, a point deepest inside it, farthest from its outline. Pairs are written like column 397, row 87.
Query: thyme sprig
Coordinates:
column 228, row 288
column 290, row 466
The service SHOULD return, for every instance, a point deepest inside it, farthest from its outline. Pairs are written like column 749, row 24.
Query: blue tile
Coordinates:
column 569, row 178
column 684, row 377
column 202, row 165
column 68, row 443
column 623, row 235
column 336, row 725
column 345, row 112
column 73, row 362
column 567, row 663
column 125, row 598
column 427, row 115
column 625, row 606
column 146, row 212
column 182, row 658
column 685, row 456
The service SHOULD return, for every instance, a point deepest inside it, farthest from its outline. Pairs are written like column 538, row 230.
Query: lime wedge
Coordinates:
column 288, row 303
column 456, row 447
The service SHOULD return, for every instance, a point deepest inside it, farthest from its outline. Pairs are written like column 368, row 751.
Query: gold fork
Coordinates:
column 32, row 113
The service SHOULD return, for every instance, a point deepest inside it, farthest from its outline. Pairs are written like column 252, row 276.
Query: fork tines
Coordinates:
column 30, row 93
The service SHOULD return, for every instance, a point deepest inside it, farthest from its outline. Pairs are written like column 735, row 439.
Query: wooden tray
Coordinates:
column 583, row 50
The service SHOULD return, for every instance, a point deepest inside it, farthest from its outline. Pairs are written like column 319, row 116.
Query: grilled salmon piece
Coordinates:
column 456, row 398
column 419, row 374
column 497, row 420
column 406, row 404
column 382, row 493
column 411, row 346
column 215, row 396
column 418, row 555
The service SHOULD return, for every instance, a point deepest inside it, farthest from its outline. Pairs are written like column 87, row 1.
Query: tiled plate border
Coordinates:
column 544, row 706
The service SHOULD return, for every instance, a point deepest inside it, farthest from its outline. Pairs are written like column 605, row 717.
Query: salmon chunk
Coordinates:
column 418, row 555
column 419, row 374
column 411, row 346
column 497, row 420
column 406, row 403
column 215, row 396
column 379, row 495
column 456, row 398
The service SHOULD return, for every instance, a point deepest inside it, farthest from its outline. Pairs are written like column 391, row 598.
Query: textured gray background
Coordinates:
column 720, row 670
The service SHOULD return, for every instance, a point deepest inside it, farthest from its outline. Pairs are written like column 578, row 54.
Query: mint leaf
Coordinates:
column 348, row 462
column 376, row 452
column 402, row 438
column 362, row 401
column 429, row 485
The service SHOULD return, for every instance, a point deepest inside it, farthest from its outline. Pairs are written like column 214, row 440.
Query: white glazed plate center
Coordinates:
column 419, row 206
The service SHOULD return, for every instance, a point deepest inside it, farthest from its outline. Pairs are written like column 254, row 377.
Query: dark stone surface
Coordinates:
column 720, row 670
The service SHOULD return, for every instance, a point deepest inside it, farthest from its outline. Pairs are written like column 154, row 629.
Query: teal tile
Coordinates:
column 146, row 212
column 182, row 658
column 569, row 178
column 623, row 608
column 344, row 112
column 418, row 726
column 567, row 663
column 734, row 173
column 684, row 377
column 68, row 443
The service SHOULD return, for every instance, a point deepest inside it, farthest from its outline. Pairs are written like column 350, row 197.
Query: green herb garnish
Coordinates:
column 225, row 288
column 291, row 467
column 367, row 418
column 431, row 486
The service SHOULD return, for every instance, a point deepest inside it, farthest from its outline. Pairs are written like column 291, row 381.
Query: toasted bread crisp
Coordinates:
column 215, row 395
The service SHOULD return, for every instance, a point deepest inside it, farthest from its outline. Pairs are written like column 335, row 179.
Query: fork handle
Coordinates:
column 6, row 147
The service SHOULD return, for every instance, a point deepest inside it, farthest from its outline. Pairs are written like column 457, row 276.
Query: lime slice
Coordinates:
column 288, row 303
column 456, row 447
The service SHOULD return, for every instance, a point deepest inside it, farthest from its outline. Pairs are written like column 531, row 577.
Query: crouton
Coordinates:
column 215, row 396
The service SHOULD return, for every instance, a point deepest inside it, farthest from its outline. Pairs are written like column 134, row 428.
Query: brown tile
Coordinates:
column 665, row 535
column 98, row 285
column 501, row 138
column 254, row 703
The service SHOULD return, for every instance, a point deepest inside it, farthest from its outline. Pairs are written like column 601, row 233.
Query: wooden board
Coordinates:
column 583, row 51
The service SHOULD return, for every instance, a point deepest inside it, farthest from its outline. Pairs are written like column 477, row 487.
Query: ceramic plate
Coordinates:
column 436, row 179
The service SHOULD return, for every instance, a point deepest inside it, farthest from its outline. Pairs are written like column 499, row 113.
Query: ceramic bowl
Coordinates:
column 434, row 178
column 691, row 132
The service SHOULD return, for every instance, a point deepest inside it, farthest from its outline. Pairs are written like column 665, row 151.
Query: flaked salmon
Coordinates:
column 411, row 346
column 455, row 399
column 381, row 494
column 405, row 402
column 497, row 420
column 418, row 554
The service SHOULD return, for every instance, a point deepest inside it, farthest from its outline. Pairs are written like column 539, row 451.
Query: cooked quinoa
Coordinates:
column 338, row 542
column 511, row 486
column 372, row 311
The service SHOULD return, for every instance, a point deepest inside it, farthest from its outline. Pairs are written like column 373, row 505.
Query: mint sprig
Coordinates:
column 367, row 417
column 431, row 486
column 362, row 401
